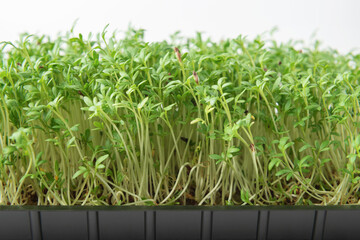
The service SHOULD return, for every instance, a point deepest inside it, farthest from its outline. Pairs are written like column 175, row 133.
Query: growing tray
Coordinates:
column 185, row 223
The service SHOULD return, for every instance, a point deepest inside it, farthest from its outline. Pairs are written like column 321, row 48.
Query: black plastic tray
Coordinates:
column 185, row 223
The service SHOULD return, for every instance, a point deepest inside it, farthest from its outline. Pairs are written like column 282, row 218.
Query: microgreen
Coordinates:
column 108, row 121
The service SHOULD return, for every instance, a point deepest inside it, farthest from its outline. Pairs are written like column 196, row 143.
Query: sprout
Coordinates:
column 111, row 121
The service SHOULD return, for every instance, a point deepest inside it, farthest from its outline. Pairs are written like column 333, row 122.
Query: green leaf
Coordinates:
column 355, row 180
column 244, row 195
column 303, row 148
column 283, row 140
column 100, row 166
column 215, row 156
column 108, row 172
column 88, row 102
column 324, row 145
column 288, row 145
column 352, row 157
column 142, row 103
column 119, row 177
column 24, row 177
column 276, row 84
column 233, row 149
column 282, row 172
column 229, row 100
column 79, row 172
column 274, row 162
column 289, row 176
column 75, row 128
column 317, row 145
column 38, row 156
column 168, row 108
column 304, row 160
column 40, row 163
column 226, row 84
column 101, row 159
column 211, row 100
column 323, row 161
column 357, row 141
column 313, row 106
column 68, row 144
column 219, row 83
column 8, row 150
column 196, row 121
column 282, row 143
column 99, row 125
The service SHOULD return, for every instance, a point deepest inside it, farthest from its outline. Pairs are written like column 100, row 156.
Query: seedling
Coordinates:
column 110, row 121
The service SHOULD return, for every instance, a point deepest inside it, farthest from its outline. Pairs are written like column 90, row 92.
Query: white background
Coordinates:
column 335, row 22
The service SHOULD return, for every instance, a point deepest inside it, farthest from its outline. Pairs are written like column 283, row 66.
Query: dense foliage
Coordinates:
column 191, row 121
